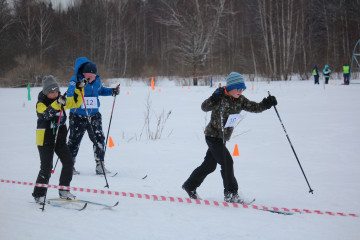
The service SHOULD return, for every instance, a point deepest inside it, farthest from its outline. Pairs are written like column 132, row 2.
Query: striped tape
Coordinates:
column 179, row 199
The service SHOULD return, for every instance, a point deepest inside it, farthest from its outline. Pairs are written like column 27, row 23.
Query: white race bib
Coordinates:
column 233, row 120
column 91, row 102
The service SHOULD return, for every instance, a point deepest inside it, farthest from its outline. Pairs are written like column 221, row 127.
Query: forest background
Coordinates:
column 184, row 38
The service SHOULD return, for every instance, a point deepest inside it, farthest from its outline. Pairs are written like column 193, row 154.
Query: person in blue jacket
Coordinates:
column 326, row 73
column 87, row 117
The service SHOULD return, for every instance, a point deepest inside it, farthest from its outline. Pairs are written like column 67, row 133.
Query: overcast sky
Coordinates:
column 64, row 3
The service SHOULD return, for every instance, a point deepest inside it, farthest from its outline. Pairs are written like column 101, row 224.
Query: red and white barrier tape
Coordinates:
column 179, row 199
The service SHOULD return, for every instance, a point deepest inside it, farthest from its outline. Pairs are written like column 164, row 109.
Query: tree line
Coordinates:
column 189, row 38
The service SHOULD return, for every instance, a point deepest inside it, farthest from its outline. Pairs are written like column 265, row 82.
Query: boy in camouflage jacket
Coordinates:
column 231, row 101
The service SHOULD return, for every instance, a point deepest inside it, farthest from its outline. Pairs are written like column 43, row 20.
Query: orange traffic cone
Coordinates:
column 152, row 83
column 236, row 151
column 111, row 143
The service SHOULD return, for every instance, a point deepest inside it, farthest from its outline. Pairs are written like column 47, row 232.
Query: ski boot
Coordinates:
column 232, row 197
column 66, row 194
column 99, row 168
column 192, row 193
column 39, row 200
column 75, row 172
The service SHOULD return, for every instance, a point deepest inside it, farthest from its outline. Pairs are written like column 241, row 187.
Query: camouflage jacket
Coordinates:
column 230, row 105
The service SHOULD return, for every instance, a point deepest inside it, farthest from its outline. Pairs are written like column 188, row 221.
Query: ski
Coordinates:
column 113, row 175
column 100, row 204
column 249, row 202
column 84, row 201
column 277, row 211
column 72, row 208
column 83, row 206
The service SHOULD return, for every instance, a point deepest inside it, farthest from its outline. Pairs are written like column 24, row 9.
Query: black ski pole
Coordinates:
column 224, row 142
column 56, row 136
column 222, row 124
column 57, row 160
column 277, row 113
column 92, row 131
column 107, row 137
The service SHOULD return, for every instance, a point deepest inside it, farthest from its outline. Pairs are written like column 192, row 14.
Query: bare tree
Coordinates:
column 195, row 25
column 26, row 18
column 5, row 17
column 141, row 38
column 44, row 21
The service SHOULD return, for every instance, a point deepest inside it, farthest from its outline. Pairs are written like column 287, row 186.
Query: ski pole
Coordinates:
column 57, row 160
column 222, row 124
column 89, row 119
column 224, row 142
column 287, row 136
column 107, row 137
column 56, row 136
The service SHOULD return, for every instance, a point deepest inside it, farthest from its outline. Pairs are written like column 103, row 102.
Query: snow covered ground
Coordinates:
column 323, row 123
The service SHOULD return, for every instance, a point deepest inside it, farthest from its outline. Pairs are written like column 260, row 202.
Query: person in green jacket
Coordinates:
column 346, row 73
column 316, row 74
column 225, row 102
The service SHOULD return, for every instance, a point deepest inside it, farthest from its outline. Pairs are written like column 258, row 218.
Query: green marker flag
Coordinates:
column 28, row 88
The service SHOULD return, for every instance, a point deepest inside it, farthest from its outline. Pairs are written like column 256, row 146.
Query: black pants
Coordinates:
column 316, row 79
column 78, row 125
column 216, row 154
column 326, row 80
column 46, row 163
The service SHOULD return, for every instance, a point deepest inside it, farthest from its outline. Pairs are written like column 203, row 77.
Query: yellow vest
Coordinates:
column 346, row 69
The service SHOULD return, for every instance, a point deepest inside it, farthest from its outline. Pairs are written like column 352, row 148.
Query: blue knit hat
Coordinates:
column 89, row 67
column 235, row 81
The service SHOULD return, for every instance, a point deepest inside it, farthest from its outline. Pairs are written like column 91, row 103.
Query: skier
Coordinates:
column 88, row 118
column 231, row 100
column 49, row 139
column 316, row 74
column 326, row 73
column 346, row 73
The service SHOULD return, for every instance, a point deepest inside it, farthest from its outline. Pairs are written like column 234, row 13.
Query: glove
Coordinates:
column 217, row 95
column 81, row 83
column 62, row 99
column 269, row 102
column 115, row 91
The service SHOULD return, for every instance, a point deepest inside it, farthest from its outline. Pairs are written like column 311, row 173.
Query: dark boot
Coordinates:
column 191, row 192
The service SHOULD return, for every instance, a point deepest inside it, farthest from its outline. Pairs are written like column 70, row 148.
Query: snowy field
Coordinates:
column 323, row 123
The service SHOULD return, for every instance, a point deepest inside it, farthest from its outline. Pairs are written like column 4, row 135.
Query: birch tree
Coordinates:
column 195, row 25
column 44, row 22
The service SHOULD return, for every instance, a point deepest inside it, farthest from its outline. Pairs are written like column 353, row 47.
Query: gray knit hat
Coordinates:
column 49, row 84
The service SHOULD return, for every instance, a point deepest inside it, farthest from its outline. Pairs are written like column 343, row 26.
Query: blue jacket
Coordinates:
column 94, row 89
column 326, row 71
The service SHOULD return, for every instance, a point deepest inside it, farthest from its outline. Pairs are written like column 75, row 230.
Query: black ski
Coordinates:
column 277, row 211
